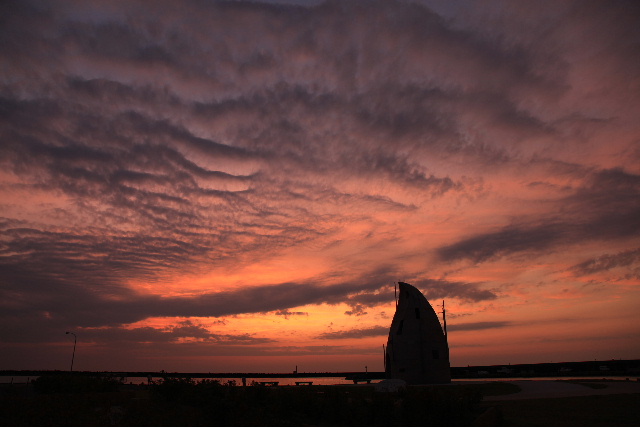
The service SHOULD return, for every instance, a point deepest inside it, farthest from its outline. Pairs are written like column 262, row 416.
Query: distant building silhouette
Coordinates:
column 417, row 350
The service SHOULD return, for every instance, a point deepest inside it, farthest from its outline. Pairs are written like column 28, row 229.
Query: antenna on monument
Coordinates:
column 395, row 293
column 384, row 357
column 444, row 319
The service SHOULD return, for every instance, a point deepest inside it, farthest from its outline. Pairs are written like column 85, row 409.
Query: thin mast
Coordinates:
column 444, row 319
column 384, row 358
column 395, row 293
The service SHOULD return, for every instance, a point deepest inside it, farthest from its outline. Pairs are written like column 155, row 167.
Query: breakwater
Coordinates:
column 561, row 369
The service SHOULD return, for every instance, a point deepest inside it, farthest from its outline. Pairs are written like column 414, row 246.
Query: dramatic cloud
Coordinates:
column 184, row 331
column 478, row 326
column 223, row 174
column 607, row 262
column 607, row 207
column 286, row 313
column 438, row 289
column 374, row 331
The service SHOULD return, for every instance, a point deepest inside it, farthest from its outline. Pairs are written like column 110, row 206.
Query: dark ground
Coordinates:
column 614, row 410
column 82, row 401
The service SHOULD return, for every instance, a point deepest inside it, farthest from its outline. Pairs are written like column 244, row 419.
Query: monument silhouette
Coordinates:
column 417, row 349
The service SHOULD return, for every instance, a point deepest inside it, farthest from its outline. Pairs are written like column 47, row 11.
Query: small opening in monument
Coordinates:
column 436, row 354
column 400, row 327
column 417, row 313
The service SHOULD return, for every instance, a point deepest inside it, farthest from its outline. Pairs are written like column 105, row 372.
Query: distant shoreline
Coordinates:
column 616, row 368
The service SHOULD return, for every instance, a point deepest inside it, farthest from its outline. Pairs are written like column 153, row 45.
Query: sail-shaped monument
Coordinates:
column 417, row 349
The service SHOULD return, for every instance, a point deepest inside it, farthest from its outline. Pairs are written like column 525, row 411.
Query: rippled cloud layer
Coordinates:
column 226, row 173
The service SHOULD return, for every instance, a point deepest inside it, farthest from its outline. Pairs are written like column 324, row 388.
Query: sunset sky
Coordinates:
column 236, row 186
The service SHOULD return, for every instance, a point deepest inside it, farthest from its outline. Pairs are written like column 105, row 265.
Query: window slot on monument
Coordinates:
column 400, row 327
column 417, row 313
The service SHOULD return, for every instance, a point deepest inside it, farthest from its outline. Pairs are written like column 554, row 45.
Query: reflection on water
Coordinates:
column 332, row 380
column 343, row 381
column 280, row 381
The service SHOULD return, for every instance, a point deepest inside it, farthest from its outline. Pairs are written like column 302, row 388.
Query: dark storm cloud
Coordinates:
column 435, row 289
column 361, row 300
column 41, row 290
column 478, row 326
column 608, row 262
column 172, row 334
column 265, row 298
column 43, row 294
column 286, row 313
column 508, row 240
column 316, row 350
column 373, row 331
column 605, row 207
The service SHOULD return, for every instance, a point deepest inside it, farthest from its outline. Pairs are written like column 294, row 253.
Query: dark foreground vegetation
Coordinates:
column 76, row 400
column 614, row 410
column 69, row 400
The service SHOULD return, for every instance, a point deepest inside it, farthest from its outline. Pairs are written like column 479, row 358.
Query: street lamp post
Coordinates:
column 73, row 355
